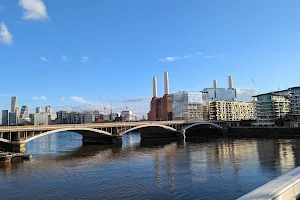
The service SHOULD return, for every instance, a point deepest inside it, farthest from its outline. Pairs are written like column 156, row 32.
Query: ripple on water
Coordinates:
column 219, row 168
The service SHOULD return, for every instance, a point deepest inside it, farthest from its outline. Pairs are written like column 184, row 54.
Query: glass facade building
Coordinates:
column 5, row 118
column 187, row 106
column 230, row 94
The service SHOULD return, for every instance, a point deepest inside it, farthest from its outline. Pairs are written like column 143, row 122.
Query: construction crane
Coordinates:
column 253, row 83
column 104, row 108
column 125, row 104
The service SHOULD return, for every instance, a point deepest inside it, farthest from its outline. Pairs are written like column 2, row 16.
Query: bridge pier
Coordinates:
column 14, row 146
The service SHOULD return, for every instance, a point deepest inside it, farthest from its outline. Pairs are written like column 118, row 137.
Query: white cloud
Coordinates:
column 84, row 59
column 34, row 9
column 168, row 59
column 64, row 57
column 1, row 7
column 80, row 99
column 5, row 36
column 62, row 99
column 43, row 59
column 135, row 100
column 4, row 95
column 215, row 56
column 173, row 58
column 39, row 98
column 189, row 56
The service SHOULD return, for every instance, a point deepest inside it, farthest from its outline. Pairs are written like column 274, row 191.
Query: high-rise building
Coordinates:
column 38, row 110
column 15, row 113
column 24, row 112
column 48, row 109
column 13, row 119
column 161, row 108
column 14, row 104
column 187, row 106
column 5, row 118
column 232, row 110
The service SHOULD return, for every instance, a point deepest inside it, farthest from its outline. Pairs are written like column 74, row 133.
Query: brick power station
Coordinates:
column 161, row 107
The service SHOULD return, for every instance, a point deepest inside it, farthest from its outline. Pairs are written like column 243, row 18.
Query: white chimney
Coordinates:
column 215, row 84
column 154, row 87
column 166, row 83
column 230, row 82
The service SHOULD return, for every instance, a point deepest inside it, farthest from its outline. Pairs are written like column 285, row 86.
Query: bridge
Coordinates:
column 14, row 138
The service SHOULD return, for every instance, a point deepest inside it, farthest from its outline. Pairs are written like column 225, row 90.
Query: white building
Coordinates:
column 127, row 116
column 271, row 106
column 40, row 118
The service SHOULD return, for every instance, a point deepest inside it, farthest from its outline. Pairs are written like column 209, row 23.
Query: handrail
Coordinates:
column 286, row 186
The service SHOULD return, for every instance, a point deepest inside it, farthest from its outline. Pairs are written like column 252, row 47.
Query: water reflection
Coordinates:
column 157, row 169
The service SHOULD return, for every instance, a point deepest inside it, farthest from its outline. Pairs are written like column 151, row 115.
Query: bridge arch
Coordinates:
column 149, row 126
column 81, row 131
column 202, row 123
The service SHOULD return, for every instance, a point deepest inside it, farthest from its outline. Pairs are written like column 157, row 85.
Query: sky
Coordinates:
column 85, row 54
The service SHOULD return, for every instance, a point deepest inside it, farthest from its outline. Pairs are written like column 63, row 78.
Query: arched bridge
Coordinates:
column 15, row 137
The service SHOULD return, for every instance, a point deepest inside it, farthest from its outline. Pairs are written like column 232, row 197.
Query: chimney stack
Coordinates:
column 230, row 82
column 166, row 83
column 154, row 87
column 215, row 84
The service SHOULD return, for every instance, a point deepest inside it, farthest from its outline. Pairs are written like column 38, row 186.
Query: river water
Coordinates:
column 62, row 168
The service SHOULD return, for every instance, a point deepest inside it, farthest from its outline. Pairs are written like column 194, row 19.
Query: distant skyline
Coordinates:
column 74, row 53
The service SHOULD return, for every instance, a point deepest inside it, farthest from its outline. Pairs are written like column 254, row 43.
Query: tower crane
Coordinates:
column 104, row 108
column 125, row 104
column 253, row 83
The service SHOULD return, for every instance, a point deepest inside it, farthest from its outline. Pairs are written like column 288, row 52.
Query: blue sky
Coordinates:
column 66, row 52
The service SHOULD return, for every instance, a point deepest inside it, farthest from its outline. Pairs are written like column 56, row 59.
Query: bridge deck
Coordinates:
column 5, row 129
